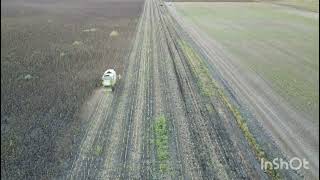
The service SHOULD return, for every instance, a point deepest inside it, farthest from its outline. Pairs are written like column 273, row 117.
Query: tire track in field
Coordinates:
column 227, row 147
column 168, row 102
column 147, row 156
column 181, row 144
column 201, row 152
column 96, row 119
column 122, row 157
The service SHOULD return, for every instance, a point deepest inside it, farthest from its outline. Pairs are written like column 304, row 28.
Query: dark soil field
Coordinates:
column 52, row 56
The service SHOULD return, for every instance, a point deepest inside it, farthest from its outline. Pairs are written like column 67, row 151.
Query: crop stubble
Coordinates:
column 159, row 81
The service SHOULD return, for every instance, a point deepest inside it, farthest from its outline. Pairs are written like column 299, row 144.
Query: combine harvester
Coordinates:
column 109, row 79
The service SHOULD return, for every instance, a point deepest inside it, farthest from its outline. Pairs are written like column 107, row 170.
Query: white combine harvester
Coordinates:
column 109, row 79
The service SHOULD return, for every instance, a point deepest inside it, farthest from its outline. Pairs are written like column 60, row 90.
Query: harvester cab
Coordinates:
column 109, row 79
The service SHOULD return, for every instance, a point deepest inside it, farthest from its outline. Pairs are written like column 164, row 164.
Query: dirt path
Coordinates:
column 204, row 139
column 294, row 133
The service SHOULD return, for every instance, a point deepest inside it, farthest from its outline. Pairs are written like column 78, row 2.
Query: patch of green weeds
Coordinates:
column 98, row 150
column 161, row 143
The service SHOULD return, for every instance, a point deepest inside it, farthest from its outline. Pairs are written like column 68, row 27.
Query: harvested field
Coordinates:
column 266, row 57
column 50, row 65
column 158, row 83
column 162, row 123
column 168, row 117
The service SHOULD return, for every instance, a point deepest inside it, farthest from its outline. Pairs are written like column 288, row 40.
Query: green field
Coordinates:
column 311, row 5
column 279, row 43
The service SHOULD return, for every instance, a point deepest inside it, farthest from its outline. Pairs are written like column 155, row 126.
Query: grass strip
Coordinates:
column 209, row 89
